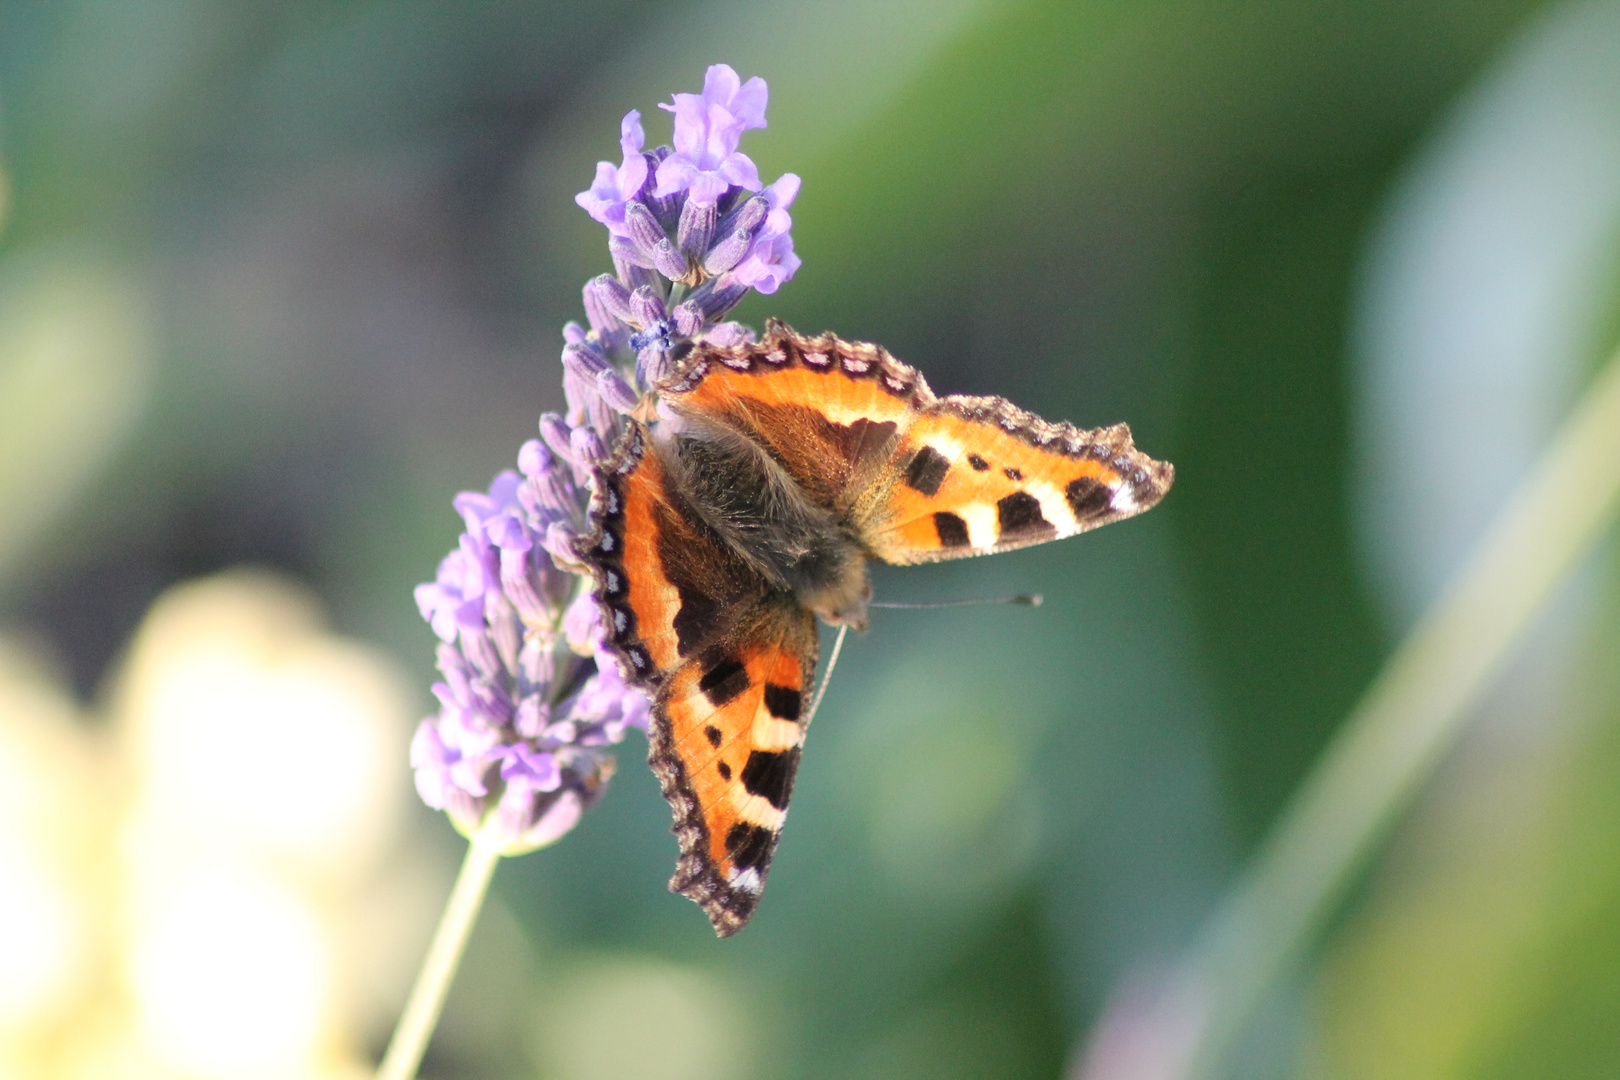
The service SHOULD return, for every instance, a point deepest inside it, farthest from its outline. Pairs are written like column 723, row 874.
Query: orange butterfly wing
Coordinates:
column 830, row 412
column 977, row 475
column 728, row 660
column 918, row 478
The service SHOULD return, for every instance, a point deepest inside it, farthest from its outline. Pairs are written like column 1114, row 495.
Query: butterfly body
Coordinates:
column 773, row 472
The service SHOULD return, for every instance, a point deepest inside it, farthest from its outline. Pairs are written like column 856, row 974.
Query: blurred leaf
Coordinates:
column 75, row 344
column 1488, row 947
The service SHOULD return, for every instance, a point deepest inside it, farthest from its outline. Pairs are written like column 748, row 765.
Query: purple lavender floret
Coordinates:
column 708, row 127
column 617, row 185
column 770, row 260
column 531, row 698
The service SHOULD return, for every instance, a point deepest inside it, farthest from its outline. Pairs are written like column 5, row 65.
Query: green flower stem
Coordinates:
column 421, row 1013
column 1407, row 720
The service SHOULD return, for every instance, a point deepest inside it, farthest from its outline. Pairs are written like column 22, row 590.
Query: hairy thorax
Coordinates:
column 762, row 514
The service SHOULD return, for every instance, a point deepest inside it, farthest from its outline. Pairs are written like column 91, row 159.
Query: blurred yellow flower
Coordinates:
column 183, row 878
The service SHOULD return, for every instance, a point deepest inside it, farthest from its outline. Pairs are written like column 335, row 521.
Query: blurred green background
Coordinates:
column 279, row 277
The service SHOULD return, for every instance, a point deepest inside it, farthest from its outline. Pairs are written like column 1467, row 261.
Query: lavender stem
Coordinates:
column 422, row 1010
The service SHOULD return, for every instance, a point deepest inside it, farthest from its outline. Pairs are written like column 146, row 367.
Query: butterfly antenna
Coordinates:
column 1025, row 599
column 832, row 662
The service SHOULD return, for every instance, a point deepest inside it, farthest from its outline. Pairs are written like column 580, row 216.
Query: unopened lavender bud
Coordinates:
column 642, row 228
column 552, row 495
column 583, row 361
column 722, row 295
column 616, row 392
column 666, row 208
column 556, row 433
column 739, row 230
column 561, row 543
column 688, row 319
column 607, row 301
column 729, row 251
column 534, row 459
column 653, row 366
column 696, row 228
column 668, row 260
column 588, row 445
column 518, row 581
column 747, row 216
column 573, row 333
column 584, row 403
column 647, row 308
column 627, row 253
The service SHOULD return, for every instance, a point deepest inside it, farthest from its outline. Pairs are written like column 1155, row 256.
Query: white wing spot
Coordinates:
column 946, row 447
column 746, row 880
column 1124, row 499
column 756, row 809
column 1054, row 507
column 982, row 524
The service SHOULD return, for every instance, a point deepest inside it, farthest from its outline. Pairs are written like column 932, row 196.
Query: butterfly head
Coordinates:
column 841, row 597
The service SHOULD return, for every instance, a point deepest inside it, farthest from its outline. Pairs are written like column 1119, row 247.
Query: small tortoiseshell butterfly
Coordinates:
column 751, row 506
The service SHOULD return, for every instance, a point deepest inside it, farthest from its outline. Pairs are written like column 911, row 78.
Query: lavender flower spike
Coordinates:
column 530, row 699
column 506, row 747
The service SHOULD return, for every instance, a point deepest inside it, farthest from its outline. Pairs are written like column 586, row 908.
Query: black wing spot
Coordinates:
column 783, row 702
column 724, row 680
column 696, row 618
column 770, row 775
column 1013, row 474
column 712, row 733
column 1088, row 498
column 1020, row 514
column 725, row 771
column 927, row 471
column 749, row 845
column 978, row 463
column 952, row 529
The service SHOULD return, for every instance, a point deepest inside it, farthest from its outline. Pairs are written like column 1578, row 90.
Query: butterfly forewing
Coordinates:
column 978, row 475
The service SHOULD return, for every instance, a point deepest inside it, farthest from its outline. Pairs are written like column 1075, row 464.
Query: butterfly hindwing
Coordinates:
column 975, row 475
column 730, row 727
column 727, row 661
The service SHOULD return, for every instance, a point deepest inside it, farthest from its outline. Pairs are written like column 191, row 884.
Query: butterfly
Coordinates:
column 749, row 506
